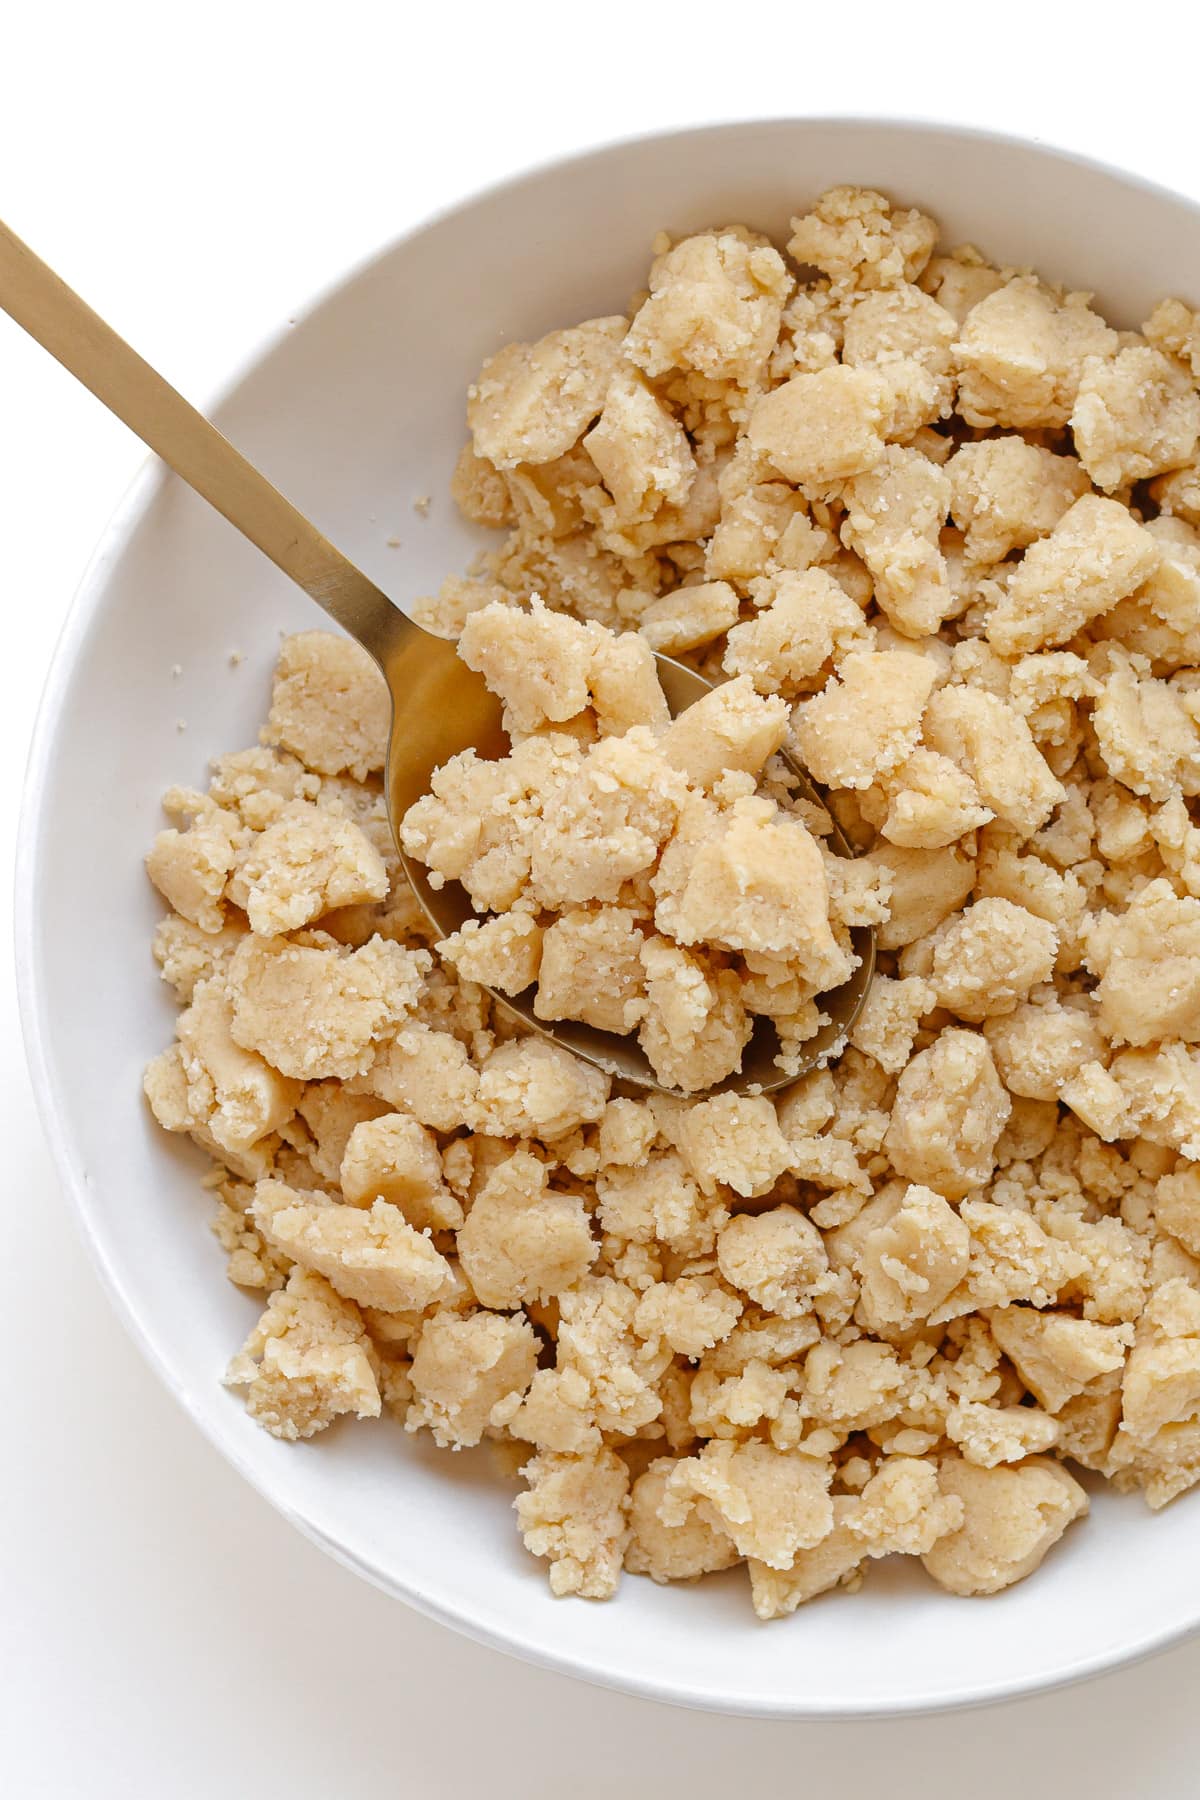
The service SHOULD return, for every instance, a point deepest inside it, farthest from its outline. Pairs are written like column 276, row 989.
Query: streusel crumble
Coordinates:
column 934, row 526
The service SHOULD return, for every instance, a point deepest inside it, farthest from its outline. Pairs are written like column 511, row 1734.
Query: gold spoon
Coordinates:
column 439, row 706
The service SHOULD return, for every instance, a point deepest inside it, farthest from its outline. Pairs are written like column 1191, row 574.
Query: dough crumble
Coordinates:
column 932, row 526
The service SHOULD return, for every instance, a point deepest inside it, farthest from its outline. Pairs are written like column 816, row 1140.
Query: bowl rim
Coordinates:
column 87, row 601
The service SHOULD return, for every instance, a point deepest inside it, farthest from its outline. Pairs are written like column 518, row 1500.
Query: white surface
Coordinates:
column 161, row 1631
column 149, row 644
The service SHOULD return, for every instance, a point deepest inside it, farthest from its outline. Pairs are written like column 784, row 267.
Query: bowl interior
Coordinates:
column 357, row 413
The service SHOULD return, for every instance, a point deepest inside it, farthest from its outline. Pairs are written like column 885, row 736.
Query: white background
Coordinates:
column 198, row 170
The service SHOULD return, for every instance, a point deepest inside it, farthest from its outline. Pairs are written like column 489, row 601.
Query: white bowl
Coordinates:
column 356, row 412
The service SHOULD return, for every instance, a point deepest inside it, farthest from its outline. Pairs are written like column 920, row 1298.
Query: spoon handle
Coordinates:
column 79, row 339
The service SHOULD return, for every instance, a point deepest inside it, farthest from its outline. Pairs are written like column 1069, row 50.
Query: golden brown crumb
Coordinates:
column 775, row 1257
column 729, row 729
column 821, row 428
column 1136, row 414
column 733, row 1139
column 807, row 620
column 671, row 1552
column 713, row 309
column 990, row 742
column 1096, row 555
column 191, row 867
column 987, row 958
column 867, row 722
column 1021, row 355
column 209, row 1084
column 394, row 1158
column 770, row 1502
column 315, row 1011
column 504, row 952
column 533, row 401
column 1006, row 494
column 469, row 1374
column 369, row 1254
column 328, row 706
column 857, row 238
column 949, row 1112
column 304, row 865
column 306, row 1361
column 1011, row 1519
column 574, row 1512
column 688, row 617
column 522, row 1240
column 1148, row 960
column 1158, row 1443
column 895, row 512
column 909, row 1263
column 591, row 969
